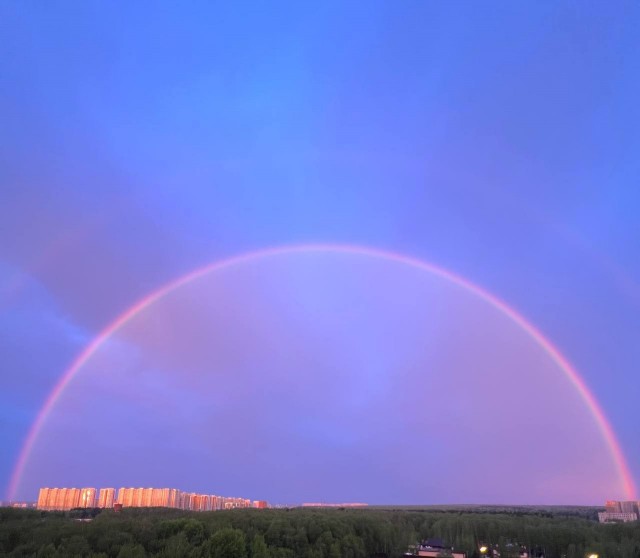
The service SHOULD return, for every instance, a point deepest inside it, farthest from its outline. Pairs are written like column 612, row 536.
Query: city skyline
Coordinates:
column 52, row 499
column 377, row 252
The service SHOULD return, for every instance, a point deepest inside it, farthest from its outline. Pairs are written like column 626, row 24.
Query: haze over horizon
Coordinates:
column 463, row 323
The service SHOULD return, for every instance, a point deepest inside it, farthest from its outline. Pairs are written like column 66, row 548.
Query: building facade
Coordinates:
column 106, row 497
column 66, row 498
column 69, row 498
column 617, row 511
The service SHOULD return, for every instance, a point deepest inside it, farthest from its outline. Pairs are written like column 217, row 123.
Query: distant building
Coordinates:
column 260, row 504
column 69, row 498
column 617, row 517
column 435, row 548
column 150, row 498
column 66, row 498
column 106, row 497
column 88, row 498
column 620, row 511
column 43, row 498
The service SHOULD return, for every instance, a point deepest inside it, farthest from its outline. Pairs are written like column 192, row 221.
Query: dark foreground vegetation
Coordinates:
column 307, row 533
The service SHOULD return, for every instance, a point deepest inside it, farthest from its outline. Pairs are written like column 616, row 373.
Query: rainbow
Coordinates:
column 571, row 373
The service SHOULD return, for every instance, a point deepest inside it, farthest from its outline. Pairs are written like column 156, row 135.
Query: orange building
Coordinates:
column 43, row 499
column 66, row 498
column 87, row 498
column 106, row 497
column 69, row 498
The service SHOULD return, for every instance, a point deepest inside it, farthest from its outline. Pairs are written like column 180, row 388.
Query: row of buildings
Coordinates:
column 617, row 511
column 70, row 498
column 436, row 548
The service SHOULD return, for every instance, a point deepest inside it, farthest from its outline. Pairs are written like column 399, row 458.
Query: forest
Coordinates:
column 308, row 532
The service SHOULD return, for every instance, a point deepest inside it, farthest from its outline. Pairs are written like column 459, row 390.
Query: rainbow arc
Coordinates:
column 554, row 353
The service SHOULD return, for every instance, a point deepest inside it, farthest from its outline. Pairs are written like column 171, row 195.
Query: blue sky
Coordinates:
column 498, row 140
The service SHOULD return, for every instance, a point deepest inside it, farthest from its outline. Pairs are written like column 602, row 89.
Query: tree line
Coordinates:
column 306, row 533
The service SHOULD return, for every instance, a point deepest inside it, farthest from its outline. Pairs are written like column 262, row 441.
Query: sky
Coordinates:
column 498, row 141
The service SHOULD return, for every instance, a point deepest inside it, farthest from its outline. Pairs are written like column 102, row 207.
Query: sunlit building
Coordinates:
column 138, row 499
column 69, row 498
column 125, row 497
column 106, row 497
column 201, row 502
column 66, row 498
column 188, row 500
column 620, row 512
column 149, row 498
column 52, row 500
column 87, row 498
column 232, row 503
column 72, row 498
column 43, row 498
column 59, row 498
column 173, row 497
column 622, row 506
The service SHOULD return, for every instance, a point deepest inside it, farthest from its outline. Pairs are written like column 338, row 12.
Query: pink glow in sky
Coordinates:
column 332, row 375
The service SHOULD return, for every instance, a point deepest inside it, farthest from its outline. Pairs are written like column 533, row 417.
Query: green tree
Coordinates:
column 352, row 547
column 132, row 551
column 194, row 531
column 48, row 551
column 281, row 553
column 176, row 547
column 228, row 543
column 259, row 548
column 75, row 546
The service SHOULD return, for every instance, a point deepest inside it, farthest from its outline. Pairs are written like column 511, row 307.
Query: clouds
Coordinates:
column 37, row 340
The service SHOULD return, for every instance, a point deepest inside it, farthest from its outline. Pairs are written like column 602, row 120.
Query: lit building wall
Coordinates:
column 106, row 497
column 61, row 494
column 188, row 501
column 72, row 498
column 617, row 506
column 202, row 502
column 43, row 499
column 69, row 498
column 628, row 507
column 66, row 498
column 126, row 497
column 147, row 494
column 174, row 497
column 87, row 498
column 617, row 517
column 613, row 506
column 54, row 496
column 138, row 493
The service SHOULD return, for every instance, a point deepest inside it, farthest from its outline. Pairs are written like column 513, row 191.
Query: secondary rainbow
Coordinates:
column 571, row 373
